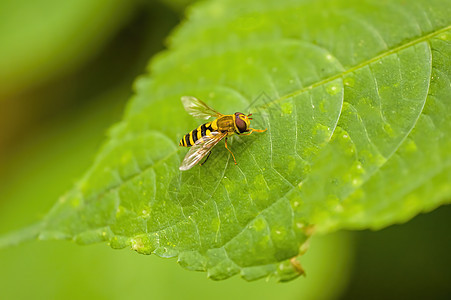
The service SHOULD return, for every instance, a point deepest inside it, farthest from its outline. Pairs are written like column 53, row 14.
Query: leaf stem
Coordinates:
column 19, row 236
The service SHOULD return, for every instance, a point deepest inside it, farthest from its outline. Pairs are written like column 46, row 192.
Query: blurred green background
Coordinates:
column 66, row 72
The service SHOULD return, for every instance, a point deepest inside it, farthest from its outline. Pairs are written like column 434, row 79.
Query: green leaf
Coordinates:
column 356, row 99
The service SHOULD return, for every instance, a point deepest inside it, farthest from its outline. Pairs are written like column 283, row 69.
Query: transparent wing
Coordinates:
column 198, row 109
column 200, row 149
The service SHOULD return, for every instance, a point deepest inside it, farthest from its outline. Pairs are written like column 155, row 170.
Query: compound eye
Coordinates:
column 240, row 124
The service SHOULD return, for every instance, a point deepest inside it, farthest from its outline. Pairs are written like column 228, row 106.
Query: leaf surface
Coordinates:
column 356, row 99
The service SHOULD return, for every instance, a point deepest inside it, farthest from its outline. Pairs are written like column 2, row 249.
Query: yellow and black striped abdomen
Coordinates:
column 205, row 129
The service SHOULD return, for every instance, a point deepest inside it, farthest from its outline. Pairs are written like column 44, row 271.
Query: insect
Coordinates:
column 206, row 136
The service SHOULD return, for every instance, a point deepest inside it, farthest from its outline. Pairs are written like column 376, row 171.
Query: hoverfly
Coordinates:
column 206, row 136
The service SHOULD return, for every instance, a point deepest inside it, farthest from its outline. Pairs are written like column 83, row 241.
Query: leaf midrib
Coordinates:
column 358, row 66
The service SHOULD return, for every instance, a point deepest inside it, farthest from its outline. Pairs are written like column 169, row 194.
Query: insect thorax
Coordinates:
column 225, row 123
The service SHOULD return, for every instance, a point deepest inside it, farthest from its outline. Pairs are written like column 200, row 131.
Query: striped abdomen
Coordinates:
column 205, row 129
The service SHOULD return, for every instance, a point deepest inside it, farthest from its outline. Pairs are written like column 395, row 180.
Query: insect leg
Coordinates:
column 230, row 151
column 205, row 159
column 252, row 130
